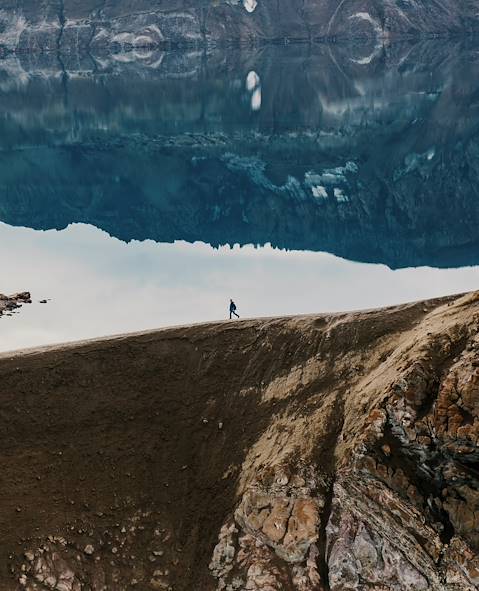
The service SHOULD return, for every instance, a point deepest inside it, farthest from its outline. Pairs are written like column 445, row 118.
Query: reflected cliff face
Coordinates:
column 367, row 152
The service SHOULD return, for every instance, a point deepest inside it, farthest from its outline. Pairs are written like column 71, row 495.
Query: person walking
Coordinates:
column 233, row 310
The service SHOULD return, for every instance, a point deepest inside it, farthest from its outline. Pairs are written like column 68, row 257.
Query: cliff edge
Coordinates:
column 309, row 453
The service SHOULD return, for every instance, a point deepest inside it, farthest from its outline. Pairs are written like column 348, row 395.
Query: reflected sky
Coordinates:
column 99, row 285
column 145, row 189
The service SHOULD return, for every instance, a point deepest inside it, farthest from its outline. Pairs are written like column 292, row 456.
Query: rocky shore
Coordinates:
column 310, row 453
column 9, row 304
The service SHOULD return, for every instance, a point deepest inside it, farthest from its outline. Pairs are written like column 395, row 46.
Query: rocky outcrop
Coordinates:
column 338, row 149
column 316, row 453
column 9, row 304
column 71, row 25
column 402, row 506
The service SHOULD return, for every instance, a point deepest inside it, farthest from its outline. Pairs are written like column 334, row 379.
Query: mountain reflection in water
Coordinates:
column 366, row 152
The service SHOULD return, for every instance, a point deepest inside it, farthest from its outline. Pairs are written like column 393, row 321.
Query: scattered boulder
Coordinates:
column 10, row 303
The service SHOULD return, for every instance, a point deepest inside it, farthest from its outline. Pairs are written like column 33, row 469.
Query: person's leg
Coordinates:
column 230, row 314
column 237, row 315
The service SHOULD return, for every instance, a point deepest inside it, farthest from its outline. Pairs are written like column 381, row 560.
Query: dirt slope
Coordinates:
column 329, row 452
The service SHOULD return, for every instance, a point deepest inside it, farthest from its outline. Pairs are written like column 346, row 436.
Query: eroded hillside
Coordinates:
column 329, row 452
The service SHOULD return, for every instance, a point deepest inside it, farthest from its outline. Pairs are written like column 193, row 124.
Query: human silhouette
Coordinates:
column 233, row 310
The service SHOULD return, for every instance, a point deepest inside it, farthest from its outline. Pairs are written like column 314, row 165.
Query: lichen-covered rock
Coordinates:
column 287, row 524
column 372, row 539
column 277, row 520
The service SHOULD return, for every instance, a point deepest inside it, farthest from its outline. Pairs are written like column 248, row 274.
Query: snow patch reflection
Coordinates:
column 250, row 5
column 253, row 85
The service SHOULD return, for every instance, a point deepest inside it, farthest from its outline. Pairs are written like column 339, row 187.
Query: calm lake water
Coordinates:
column 145, row 189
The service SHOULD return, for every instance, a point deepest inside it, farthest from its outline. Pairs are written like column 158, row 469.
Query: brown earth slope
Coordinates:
column 330, row 452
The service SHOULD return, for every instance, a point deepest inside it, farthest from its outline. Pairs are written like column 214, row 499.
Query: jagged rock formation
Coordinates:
column 10, row 303
column 71, row 25
column 368, row 152
column 311, row 453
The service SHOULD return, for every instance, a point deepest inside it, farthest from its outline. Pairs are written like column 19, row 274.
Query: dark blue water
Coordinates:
column 146, row 189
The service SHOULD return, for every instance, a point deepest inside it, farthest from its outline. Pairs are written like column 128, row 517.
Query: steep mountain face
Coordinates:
column 68, row 25
column 316, row 453
column 368, row 152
